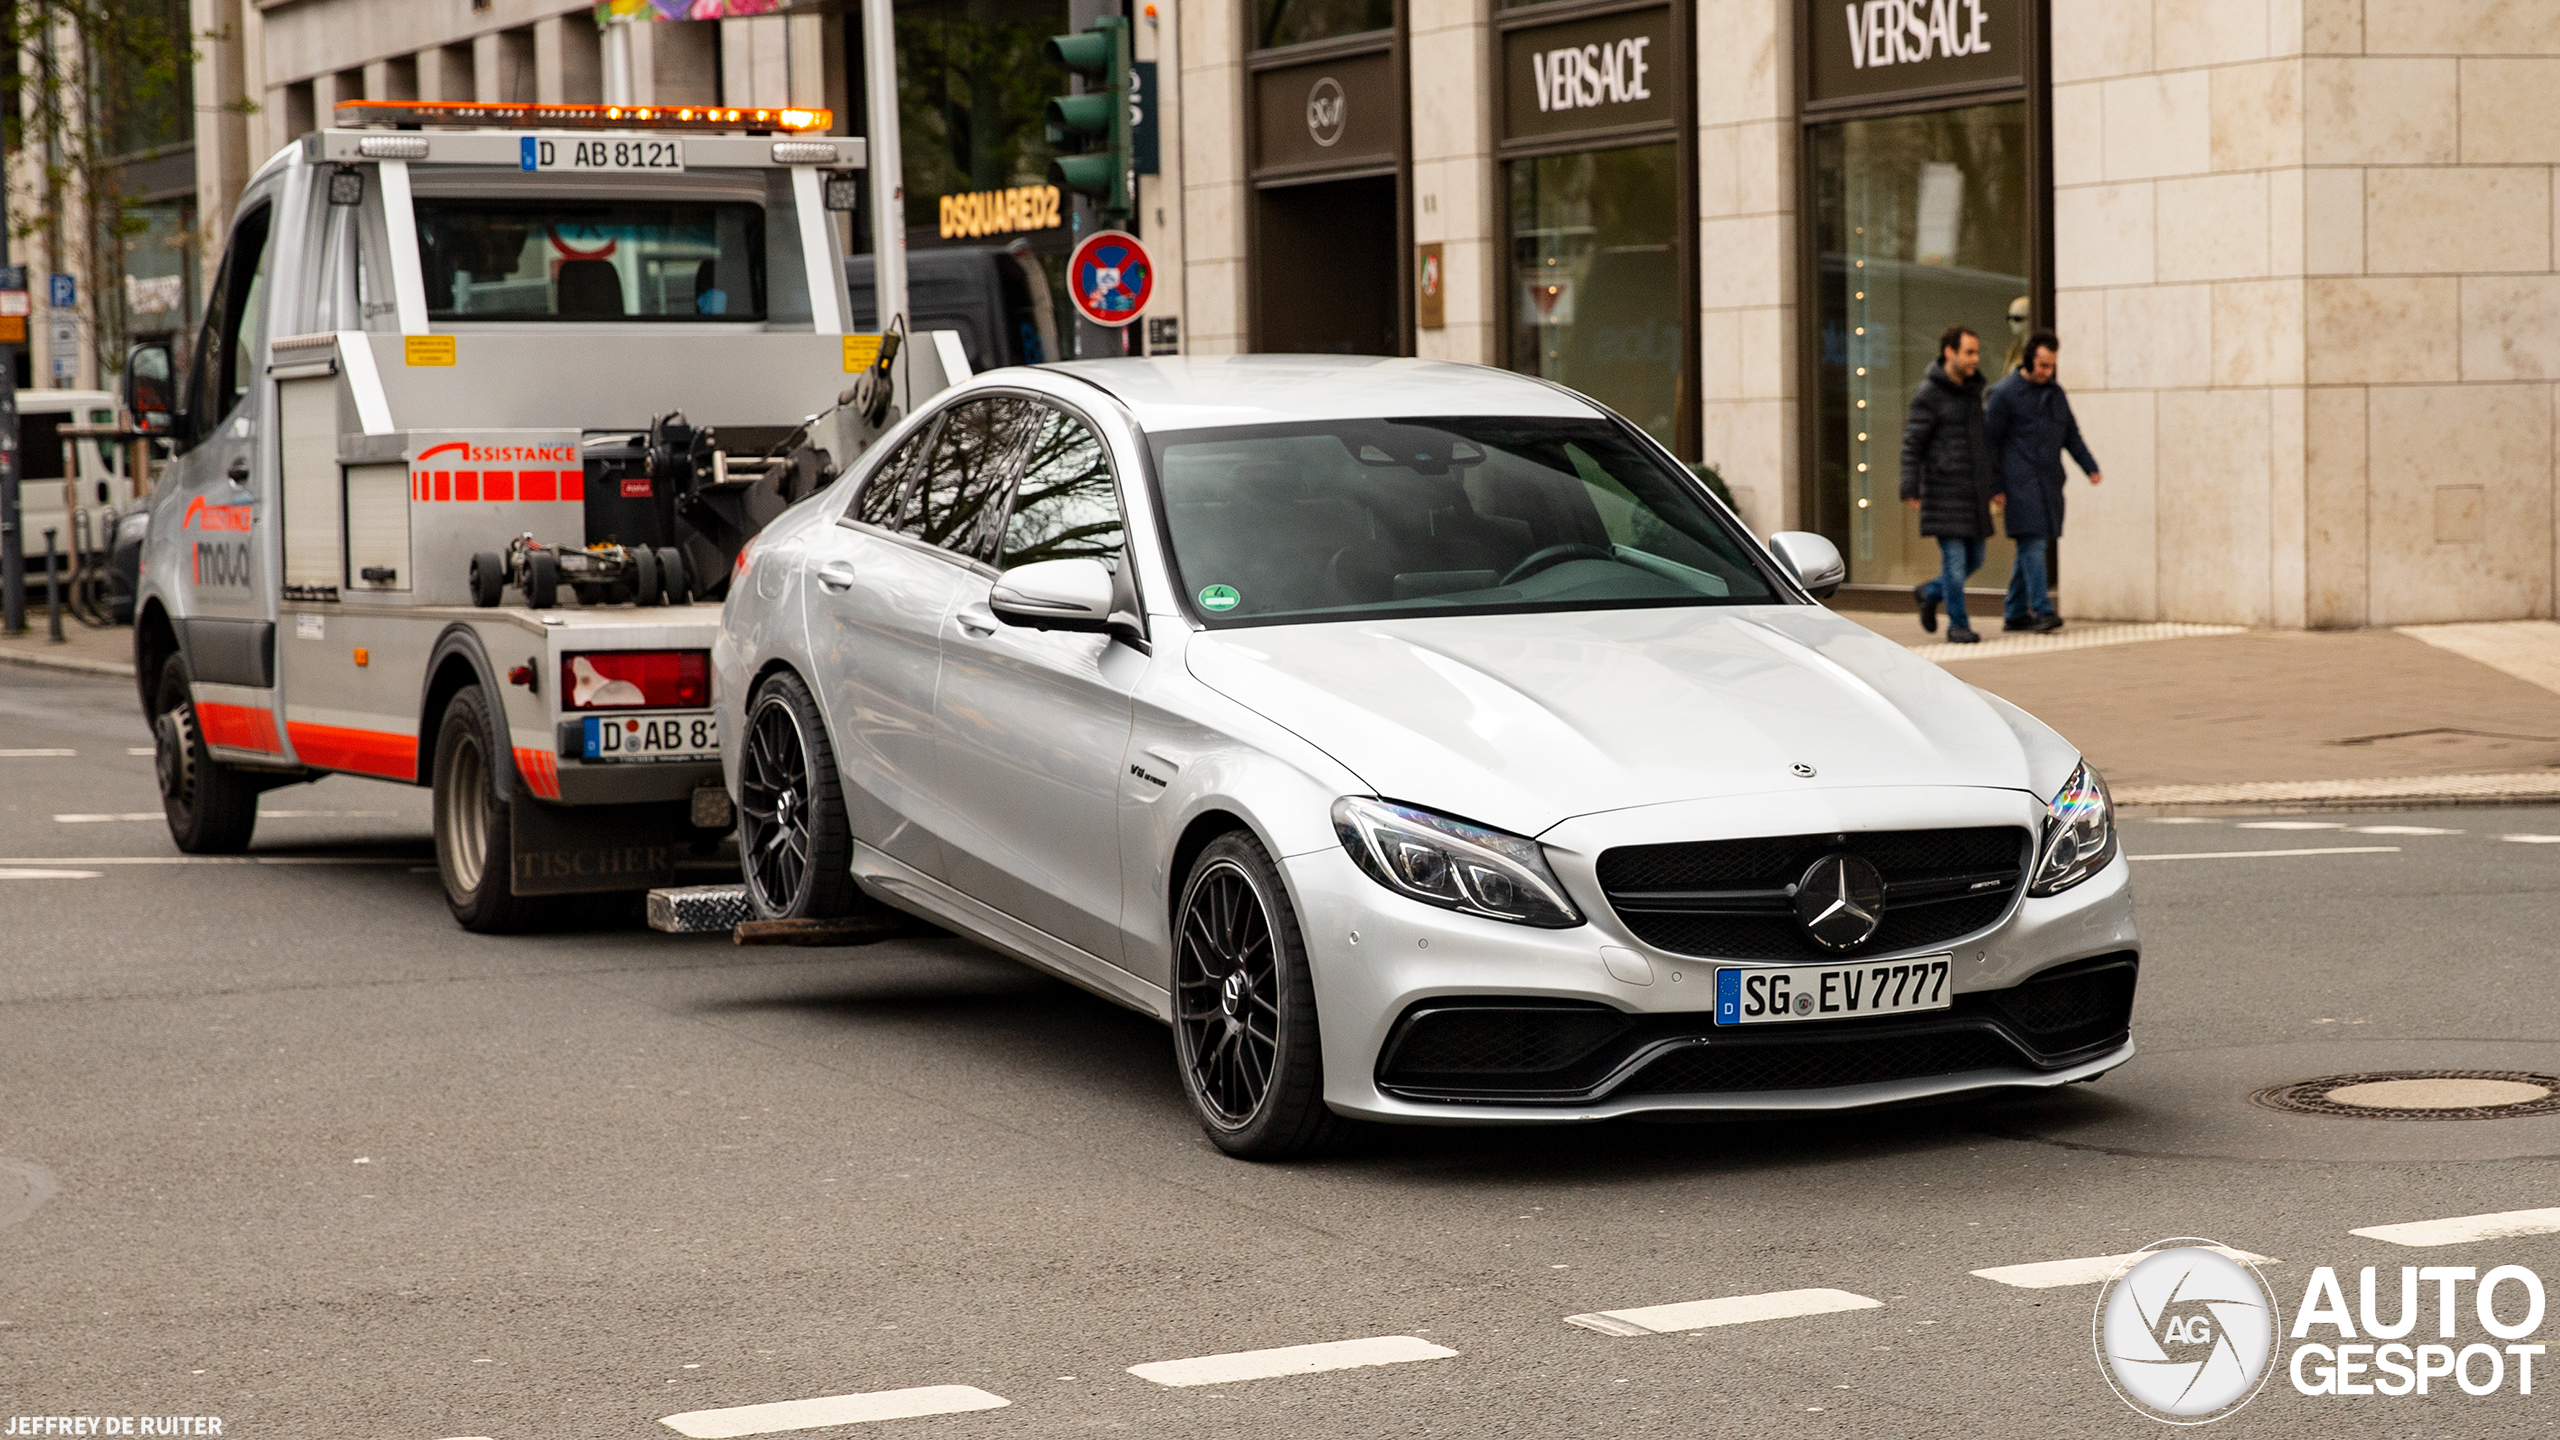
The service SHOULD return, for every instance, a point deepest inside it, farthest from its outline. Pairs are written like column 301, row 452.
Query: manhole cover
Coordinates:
column 2420, row 1095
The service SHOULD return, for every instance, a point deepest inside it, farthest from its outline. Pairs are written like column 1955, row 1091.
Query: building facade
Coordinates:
column 2300, row 252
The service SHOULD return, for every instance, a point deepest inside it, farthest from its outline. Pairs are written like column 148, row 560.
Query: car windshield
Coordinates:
column 1469, row 515
column 592, row 260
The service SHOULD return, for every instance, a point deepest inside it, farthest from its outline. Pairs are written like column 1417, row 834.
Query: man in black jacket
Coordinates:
column 2030, row 425
column 1947, row 476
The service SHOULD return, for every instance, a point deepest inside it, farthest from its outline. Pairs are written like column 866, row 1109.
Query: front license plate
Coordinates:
column 693, row 735
column 563, row 152
column 1833, row 992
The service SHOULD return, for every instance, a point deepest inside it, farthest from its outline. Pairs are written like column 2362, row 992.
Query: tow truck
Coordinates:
column 485, row 398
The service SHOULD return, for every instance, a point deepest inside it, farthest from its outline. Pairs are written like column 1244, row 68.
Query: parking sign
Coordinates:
column 63, row 294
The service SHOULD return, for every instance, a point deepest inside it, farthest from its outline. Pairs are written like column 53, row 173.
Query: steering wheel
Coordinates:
column 1548, row 559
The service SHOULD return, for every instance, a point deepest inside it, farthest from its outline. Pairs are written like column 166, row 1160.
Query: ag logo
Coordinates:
column 2185, row 1332
column 1326, row 111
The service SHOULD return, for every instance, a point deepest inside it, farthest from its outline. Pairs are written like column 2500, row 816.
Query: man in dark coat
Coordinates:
column 2030, row 425
column 1947, row 476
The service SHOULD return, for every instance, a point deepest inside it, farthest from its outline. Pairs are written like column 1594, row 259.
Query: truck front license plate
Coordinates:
column 693, row 735
column 565, row 152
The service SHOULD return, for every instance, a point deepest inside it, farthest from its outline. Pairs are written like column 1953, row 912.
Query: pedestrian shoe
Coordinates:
column 1958, row 635
column 2046, row 624
column 1928, row 610
column 2017, row 624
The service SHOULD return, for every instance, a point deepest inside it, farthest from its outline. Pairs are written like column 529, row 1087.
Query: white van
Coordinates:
column 58, row 474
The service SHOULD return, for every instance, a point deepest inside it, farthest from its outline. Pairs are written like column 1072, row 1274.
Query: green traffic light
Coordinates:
column 1089, row 112
column 1085, row 174
column 1088, row 52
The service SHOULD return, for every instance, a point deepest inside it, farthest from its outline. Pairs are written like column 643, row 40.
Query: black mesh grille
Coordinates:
column 1821, row 1064
column 2085, row 1005
column 1652, row 888
column 1493, row 1041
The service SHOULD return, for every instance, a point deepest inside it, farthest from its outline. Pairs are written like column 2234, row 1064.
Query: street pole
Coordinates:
column 13, row 559
column 886, row 166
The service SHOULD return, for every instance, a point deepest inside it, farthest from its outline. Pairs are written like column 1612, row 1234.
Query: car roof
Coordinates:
column 1194, row 392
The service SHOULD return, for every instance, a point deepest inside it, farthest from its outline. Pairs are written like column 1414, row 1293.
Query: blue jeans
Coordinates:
column 1961, row 556
column 2028, row 596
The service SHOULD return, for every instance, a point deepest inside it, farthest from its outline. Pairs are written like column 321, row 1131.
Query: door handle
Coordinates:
column 980, row 623
column 835, row 576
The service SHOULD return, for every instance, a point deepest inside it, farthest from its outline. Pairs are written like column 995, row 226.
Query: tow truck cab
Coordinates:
column 426, row 345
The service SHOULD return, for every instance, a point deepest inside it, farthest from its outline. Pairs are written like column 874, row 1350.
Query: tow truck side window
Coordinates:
column 592, row 260
column 235, row 318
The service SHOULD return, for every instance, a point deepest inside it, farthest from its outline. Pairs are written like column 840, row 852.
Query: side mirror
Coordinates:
column 1055, row 595
column 151, row 388
column 1815, row 560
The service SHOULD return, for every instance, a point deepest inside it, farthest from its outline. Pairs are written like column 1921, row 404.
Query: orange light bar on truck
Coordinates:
column 529, row 116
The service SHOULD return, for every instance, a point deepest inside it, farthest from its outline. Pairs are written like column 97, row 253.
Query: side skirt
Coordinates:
column 896, row 883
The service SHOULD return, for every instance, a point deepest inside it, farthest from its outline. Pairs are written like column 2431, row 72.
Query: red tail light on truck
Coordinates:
column 635, row 680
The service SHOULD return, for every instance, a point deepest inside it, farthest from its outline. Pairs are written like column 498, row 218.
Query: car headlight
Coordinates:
column 1452, row 864
column 2080, row 838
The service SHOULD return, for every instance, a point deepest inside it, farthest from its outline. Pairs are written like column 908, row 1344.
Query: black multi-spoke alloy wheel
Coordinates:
column 794, row 848
column 475, row 831
column 1244, row 1022
column 212, row 808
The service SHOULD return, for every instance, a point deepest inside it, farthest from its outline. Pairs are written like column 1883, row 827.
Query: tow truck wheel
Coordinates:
column 488, row 579
column 794, row 848
column 671, row 576
column 542, row 580
column 473, row 829
column 212, row 808
column 644, row 575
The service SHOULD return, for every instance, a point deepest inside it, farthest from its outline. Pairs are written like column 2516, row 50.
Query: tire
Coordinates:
column 644, row 574
column 488, row 580
column 671, row 577
column 542, row 580
column 212, row 808
column 474, row 832
column 1244, row 1021
column 795, row 850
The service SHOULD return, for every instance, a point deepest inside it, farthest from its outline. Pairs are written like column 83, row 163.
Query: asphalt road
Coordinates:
column 280, row 1144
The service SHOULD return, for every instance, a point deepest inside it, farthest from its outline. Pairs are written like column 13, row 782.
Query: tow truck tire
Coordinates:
column 542, row 580
column 212, row 808
column 671, row 577
column 644, row 575
column 488, row 580
column 474, row 831
column 795, row 851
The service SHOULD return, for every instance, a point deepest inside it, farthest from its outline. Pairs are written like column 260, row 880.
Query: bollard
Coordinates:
column 52, row 593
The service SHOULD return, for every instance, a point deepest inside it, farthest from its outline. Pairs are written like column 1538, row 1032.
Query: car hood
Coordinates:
column 1525, row 721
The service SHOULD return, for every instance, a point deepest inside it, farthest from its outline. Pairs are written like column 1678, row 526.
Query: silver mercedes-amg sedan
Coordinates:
column 1423, row 742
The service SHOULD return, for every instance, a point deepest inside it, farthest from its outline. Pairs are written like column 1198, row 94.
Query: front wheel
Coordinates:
column 212, row 808
column 474, row 831
column 794, row 847
column 1244, row 1022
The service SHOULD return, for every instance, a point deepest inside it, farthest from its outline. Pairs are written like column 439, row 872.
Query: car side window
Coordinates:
column 960, row 497
column 884, row 495
column 1065, row 506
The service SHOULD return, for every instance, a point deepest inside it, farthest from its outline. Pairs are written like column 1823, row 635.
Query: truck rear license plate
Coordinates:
column 693, row 735
column 564, row 152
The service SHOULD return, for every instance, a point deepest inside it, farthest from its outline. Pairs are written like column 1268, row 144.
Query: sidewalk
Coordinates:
column 2210, row 715
column 87, row 651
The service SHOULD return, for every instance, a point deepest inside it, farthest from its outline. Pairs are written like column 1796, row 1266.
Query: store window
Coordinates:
column 1295, row 22
column 1922, row 223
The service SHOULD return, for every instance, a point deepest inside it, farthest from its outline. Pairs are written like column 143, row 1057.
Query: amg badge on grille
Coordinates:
column 1840, row 901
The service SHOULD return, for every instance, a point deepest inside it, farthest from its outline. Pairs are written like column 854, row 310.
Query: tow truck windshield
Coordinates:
column 585, row 260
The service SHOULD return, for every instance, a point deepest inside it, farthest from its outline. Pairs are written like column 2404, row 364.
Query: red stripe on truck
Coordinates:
column 243, row 726
column 364, row 752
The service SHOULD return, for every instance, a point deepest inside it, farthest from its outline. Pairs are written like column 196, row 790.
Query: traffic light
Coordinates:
column 1101, row 113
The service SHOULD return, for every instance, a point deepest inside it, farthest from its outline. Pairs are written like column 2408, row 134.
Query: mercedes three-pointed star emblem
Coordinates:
column 1840, row 901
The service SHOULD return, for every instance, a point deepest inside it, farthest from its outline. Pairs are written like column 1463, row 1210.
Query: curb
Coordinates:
column 121, row 670
column 2539, row 787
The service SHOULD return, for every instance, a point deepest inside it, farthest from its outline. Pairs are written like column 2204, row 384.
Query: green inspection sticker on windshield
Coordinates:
column 1220, row 597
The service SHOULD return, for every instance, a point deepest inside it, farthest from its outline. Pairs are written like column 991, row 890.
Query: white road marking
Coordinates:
column 205, row 860
column 2291, row 825
column 2262, row 854
column 97, row 819
column 17, row 873
column 140, row 750
column 1731, row 1310
column 2053, row 1274
column 36, row 754
column 2398, row 830
column 1291, row 1360
column 104, row 817
column 2461, row 1229
column 2180, row 820
column 832, row 1410
column 2533, row 839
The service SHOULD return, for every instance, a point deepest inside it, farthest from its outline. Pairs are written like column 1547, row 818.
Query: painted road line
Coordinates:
column 37, row 754
column 2399, row 830
column 832, row 1410
column 2462, row 1229
column 2264, row 854
column 208, row 859
column 2054, row 1274
column 103, row 818
column 2291, row 825
column 1291, row 1360
column 140, row 750
column 1731, row 1310
column 12, row 872
column 2532, row 839
column 100, row 819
